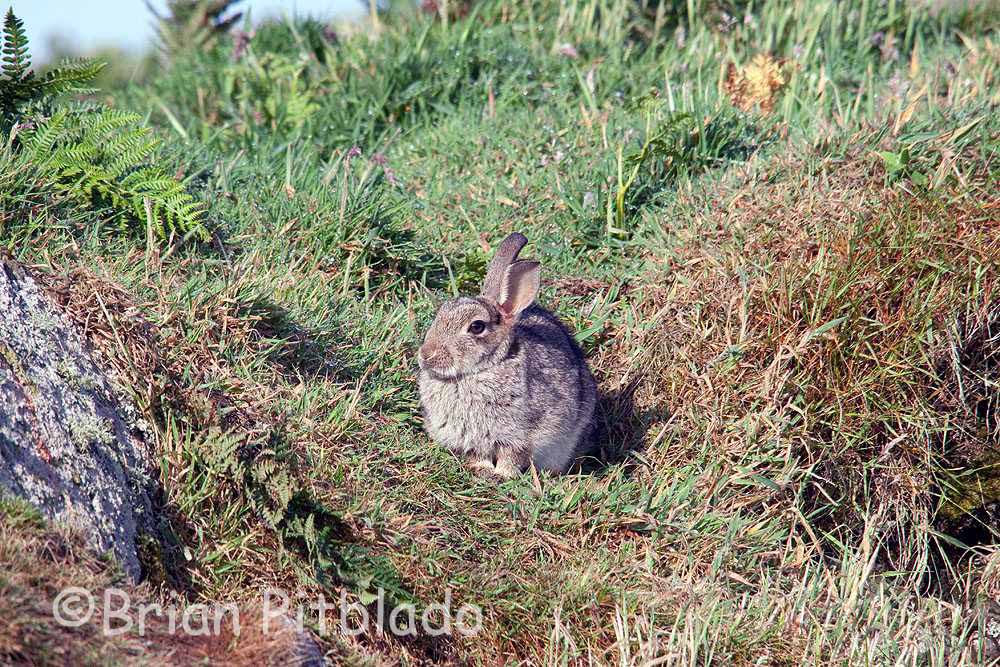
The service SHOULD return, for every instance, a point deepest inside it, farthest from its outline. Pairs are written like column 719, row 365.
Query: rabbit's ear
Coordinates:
column 519, row 287
column 506, row 254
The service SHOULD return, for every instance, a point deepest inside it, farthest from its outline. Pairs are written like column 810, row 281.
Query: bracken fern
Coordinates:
column 19, row 87
column 101, row 154
column 87, row 152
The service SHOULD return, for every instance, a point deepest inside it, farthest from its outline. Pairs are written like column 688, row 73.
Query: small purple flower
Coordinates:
column 568, row 50
column 329, row 34
column 390, row 175
column 241, row 40
column 352, row 152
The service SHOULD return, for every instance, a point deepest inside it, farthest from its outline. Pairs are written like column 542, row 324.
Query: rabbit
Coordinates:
column 502, row 382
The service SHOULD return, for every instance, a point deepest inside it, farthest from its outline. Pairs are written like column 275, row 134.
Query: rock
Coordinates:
column 69, row 443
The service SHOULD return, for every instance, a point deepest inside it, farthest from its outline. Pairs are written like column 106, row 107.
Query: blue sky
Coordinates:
column 128, row 23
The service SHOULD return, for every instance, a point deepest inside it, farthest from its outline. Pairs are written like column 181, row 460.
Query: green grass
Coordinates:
column 791, row 315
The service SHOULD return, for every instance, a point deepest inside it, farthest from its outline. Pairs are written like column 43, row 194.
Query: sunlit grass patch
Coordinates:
column 789, row 303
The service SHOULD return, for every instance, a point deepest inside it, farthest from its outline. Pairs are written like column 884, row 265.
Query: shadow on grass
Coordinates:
column 297, row 350
column 161, row 554
column 619, row 430
column 321, row 537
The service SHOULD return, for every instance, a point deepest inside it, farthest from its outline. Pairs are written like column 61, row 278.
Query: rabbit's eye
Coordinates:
column 477, row 327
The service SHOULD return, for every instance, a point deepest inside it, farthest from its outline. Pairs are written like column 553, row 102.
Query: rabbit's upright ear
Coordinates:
column 506, row 254
column 519, row 287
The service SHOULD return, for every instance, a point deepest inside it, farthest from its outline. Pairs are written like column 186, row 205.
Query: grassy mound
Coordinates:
column 832, row 334
column 773, row 228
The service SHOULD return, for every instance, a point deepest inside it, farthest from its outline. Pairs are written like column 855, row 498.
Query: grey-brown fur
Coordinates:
column 516, row 393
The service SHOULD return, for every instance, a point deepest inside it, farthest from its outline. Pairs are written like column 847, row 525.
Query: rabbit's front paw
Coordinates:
column 512, row 460
column 485, row 470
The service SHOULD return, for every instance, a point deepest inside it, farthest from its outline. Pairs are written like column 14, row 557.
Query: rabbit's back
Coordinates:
column 562, row 394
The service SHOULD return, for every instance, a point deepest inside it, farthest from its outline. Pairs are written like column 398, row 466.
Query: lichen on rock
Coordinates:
column 68, row 444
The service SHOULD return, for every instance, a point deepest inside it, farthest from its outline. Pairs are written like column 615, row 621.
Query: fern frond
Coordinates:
column 91, row 153
column 20, row 89
column 42, row 141
column 16, row 77
column 16, row 61
column 71, row 76
column 103, row 155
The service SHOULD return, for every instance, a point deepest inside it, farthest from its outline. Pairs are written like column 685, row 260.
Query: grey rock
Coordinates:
column 70, row 444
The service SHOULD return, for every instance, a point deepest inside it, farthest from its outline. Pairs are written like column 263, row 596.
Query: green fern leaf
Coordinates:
column 17, row 78
column 42, row 141
column 71, row 76
column 16, row 61
column 20, row 89
column 102, row 156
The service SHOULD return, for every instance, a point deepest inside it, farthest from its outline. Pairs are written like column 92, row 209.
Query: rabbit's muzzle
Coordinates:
column 433, row 357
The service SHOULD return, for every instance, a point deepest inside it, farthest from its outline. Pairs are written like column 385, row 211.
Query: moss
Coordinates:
column 74, row 378
column 43, row 321
column 977, row 487
column 87, row 428
column 20, row 513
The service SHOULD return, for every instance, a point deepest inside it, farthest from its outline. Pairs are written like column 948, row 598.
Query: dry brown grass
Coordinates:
column 827, row 341
column 39, row 562
column 825, row 318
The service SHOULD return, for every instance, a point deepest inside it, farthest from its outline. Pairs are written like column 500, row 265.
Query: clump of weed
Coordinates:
column 675, row 145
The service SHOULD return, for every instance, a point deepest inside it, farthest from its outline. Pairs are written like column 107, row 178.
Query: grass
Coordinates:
column 790, row 308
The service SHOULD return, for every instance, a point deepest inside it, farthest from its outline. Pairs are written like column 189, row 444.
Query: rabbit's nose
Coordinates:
column 433, row 354
column 425, row 353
